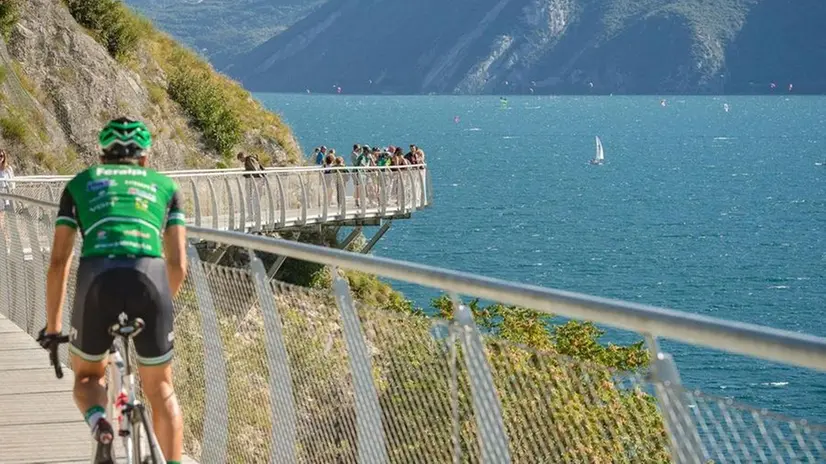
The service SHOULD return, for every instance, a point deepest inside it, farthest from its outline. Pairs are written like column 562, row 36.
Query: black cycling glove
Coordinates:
column 47, row 341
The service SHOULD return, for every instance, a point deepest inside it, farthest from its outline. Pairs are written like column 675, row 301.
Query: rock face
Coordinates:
column 76, row 86
column 61, row 86
column 545, row 46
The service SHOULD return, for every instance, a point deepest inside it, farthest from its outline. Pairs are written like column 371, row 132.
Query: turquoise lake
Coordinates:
column 697, row 209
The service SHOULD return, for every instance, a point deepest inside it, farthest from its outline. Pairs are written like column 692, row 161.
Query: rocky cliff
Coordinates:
column 546, row 46
column 60, row 84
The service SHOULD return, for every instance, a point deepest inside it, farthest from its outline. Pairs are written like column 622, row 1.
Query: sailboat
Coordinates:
column 600, row 154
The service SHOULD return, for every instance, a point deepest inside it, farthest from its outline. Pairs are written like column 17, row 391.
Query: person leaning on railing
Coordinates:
column 129, row 217
column 253, row 181
column 6, row 185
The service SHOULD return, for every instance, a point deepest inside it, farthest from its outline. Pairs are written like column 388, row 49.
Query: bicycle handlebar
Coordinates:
column 58, row 369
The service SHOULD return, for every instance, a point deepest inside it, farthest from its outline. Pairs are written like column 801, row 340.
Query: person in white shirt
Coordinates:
column 6, row 186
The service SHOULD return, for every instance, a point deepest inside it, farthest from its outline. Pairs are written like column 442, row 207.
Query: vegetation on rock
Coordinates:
column 9, row 14
column 219, row 107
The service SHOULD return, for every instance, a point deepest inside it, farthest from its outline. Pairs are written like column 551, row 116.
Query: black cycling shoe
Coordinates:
column 104, row 435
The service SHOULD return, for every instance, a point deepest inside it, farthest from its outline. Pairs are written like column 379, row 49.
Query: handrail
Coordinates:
column 750, row 339
column 235, row 171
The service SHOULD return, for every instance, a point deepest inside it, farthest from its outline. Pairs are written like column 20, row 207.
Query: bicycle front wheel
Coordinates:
column 144, row 443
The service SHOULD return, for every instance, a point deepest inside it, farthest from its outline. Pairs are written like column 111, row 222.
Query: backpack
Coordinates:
column 362, row 160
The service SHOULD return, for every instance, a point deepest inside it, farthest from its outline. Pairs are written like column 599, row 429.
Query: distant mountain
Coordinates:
column 223, row 29
column 545, row 46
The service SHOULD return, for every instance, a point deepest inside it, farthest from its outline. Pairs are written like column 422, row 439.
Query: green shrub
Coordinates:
column 9, row 15
column 13, row 127
column 111, row 22
column 203, row 100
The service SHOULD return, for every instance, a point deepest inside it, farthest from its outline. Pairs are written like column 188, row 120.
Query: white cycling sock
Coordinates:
column 93, row 415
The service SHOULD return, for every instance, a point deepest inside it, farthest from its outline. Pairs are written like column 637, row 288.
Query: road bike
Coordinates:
column 123, row 407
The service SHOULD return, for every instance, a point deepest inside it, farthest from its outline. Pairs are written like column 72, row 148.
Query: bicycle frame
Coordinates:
column 123, row 403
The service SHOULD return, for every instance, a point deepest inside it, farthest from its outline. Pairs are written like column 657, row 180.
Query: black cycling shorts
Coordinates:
column 109, row 287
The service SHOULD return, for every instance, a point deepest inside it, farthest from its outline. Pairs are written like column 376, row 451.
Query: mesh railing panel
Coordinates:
column 730, row 432
column 559, row 409
column 553, row 408
column 322, row 386
column 412, row 368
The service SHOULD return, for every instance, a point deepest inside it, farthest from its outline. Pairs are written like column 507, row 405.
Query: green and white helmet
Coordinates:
column 124, row 138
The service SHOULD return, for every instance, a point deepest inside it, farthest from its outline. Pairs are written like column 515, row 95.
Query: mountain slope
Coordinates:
column 222, row 29
column 543, row 46
column 59, row 85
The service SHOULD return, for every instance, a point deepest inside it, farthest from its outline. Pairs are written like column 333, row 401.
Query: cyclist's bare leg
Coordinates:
column 166, row 414
column 89, row 383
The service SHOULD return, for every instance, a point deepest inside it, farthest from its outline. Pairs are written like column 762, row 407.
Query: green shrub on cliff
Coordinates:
column 203, row 101
column 9, row 14
column 111, row 23
column 14, row 127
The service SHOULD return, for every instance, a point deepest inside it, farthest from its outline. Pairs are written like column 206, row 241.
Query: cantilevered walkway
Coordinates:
column 283, row 198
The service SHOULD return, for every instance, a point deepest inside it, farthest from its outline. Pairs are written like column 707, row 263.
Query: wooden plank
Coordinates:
column 39, row 422
column 16, row 341
column 22, row 409
column 44, row 442
column 8, row 326
column 33, row 358
column 40, row 380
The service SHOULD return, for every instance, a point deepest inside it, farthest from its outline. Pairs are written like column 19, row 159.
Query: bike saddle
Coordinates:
column 127, row 328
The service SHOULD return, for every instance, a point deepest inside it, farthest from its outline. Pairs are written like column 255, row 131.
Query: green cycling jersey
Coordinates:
column 120, row 209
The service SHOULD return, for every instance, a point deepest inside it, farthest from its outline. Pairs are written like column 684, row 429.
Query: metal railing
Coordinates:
column 229, row 199
column 271, row 372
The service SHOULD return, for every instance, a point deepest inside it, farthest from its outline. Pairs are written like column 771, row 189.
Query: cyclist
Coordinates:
column 127, row 215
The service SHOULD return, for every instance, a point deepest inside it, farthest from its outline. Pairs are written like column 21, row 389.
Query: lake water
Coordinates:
column 697, row 209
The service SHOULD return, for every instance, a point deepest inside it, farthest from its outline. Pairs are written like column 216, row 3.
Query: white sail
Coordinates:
column 600, row 153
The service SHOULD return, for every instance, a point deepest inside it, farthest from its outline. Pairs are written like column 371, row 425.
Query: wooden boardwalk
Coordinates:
column 39, row 422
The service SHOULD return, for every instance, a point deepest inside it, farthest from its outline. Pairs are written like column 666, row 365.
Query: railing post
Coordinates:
column 363, row 180
column 341, row 194
column 369, row 430
column 255, row 205
column 304, row 200
column 231, row 225
column 493, row 439
column 245, row 200
column 38, row 276
column 456, row 425
column 6, row 284
column 413, row 186
column 17, row 311
column 402, row 193
column 420, row 174
column 282, row 414
column 686, row 445
column 216, row 409
column 383, row 192
column 282, row 201
column 213, row 202
column 324, row 194
column 196, row 202
column 271, row 203
column 429, row 183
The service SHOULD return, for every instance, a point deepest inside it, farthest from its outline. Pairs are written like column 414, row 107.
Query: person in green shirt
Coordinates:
column 129, row 217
